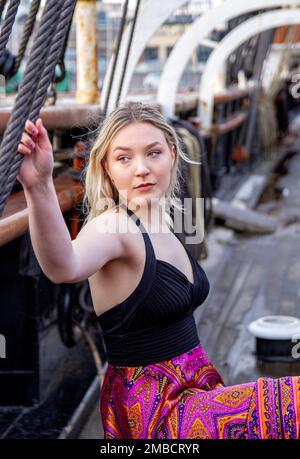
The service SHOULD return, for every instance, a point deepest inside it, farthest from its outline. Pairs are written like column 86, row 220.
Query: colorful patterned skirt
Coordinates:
column 185, row 397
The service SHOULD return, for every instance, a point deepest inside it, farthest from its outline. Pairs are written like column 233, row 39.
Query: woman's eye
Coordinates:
column 122, row 157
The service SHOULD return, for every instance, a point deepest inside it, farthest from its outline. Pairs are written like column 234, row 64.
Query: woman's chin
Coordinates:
column 148, row 199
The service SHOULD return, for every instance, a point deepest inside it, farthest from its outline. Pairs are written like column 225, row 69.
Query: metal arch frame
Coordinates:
column 152, row 15
column 229, row 43
column 194, row 36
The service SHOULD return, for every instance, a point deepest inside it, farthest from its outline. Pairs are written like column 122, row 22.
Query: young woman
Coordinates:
column 145, row 287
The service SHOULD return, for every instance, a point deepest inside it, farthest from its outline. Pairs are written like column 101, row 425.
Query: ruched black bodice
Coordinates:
column 156, row 321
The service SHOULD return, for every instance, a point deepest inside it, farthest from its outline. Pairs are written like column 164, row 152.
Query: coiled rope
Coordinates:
column 33, row 90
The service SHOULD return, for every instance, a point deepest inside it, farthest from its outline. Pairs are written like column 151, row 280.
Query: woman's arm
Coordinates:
column 49, row 234
column 60, row 258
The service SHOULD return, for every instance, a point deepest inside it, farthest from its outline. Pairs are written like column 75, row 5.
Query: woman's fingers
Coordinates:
column 34, row 135
column 27, row 144
column 27, row 140
column 31, row 128
column 43, row 134
column 23, row 149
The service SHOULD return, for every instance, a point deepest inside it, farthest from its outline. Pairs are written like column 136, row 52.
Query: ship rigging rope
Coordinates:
column 27, row 31
column 117, row 52
column 61, row 63
column 38, row 75
column 136, row 12
column 2, row 5
column 116, row 55
column 8, row 24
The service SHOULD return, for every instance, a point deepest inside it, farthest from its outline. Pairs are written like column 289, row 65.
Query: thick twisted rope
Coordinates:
column 27, row 31
column 61, row 63
column 8, row 24
column 2, row 6
column 46, row 79
column 136, row 11
column 13, row 133
column 116, row 55
column 53, row 57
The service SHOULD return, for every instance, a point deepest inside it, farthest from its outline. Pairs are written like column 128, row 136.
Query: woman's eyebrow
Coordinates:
column 128, row 148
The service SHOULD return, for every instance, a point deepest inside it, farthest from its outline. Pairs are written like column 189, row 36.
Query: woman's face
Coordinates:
column 139, row 153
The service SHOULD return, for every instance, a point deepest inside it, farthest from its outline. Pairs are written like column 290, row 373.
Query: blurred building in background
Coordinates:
column 153, row 58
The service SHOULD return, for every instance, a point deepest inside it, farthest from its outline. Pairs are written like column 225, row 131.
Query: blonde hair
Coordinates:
column 99, row 188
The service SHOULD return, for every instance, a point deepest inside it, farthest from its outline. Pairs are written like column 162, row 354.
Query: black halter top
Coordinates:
column 156, row 321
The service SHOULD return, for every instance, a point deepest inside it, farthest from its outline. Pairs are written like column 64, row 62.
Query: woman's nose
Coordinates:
column 141, row 167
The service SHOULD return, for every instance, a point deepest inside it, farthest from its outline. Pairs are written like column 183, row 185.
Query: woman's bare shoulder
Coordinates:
column 113, row 221
column 98, row 242
column 106, row 217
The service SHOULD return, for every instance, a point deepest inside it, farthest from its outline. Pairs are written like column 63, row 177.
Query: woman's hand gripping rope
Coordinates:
column 37, row 166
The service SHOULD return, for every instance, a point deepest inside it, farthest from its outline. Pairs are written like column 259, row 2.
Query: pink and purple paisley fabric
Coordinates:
column 186, row 398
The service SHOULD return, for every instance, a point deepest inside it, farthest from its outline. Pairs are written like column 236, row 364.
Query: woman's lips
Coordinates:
column 144, row 187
